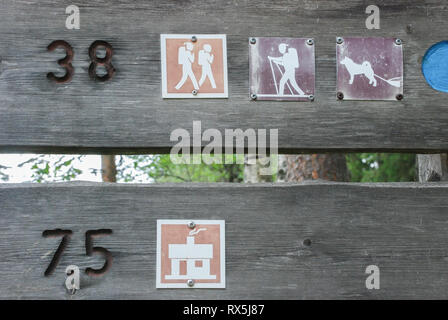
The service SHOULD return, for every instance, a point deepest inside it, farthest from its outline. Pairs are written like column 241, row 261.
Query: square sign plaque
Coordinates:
column 190, row 254
column 281, row 69
column 194, row 66
column 369, row 68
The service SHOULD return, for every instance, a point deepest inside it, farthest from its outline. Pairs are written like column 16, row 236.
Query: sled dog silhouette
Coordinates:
column 355, row 69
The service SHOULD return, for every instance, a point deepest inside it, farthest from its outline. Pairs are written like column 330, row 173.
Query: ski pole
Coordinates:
column 273, row 75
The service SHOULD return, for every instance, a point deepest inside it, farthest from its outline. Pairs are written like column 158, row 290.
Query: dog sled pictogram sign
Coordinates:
column 369, row 68
column 281, row 69
column 194, row 66
column 190, row 254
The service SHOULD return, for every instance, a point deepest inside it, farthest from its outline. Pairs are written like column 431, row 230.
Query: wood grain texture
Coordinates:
column 128, row 115
column 401, row 228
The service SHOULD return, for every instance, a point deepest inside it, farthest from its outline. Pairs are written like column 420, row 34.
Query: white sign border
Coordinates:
column 218, row 285
column 165, row 93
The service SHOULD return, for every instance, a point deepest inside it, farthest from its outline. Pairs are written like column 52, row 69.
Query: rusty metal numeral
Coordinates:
column 90, row 249
column 104, row 62
column 65, row 234
column 64, row 62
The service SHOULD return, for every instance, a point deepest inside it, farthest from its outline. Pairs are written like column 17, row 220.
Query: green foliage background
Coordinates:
column 363, row 167
column 160, row 169
column 381, row 167
column 44, row 169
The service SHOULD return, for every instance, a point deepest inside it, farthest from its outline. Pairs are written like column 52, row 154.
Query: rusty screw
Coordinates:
column 340, row 96
column 310, row 42
column 399, row 97
column 253, row 41
column 339, row 40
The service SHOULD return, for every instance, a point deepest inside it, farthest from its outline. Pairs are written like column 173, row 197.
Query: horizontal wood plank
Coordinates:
column 401, row 228
column 128, row 115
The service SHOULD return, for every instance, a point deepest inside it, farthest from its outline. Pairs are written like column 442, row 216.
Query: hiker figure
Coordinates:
column 186, row 58
column 205, row 60
column 290, row 62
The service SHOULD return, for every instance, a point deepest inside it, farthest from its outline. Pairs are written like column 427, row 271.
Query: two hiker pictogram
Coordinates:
column 194, row 66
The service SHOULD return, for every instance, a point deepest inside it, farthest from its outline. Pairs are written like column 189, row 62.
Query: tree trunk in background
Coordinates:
column 432, row 167
column 282, row 167
column 330, row 166
column 108, row 168
column 252, row 171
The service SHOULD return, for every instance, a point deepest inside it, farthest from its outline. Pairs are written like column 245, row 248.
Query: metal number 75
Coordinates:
column 90, row 249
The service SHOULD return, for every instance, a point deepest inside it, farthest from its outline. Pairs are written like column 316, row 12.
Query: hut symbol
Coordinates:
column 196, row 258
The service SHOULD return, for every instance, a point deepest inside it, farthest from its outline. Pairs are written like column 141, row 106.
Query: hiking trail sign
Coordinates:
column 190, row 254
column 281, row 69
column 194, row 66
column 369, row 68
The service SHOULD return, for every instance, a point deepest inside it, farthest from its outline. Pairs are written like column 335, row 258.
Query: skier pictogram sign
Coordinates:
column 194, row 66
column 369, row 68
column 281, row 69
column 190, row 254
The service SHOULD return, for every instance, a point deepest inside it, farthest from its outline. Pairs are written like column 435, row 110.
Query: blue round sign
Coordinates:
column 435, row 66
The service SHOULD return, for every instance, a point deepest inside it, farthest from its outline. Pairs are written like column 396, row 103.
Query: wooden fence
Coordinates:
column 400, row 227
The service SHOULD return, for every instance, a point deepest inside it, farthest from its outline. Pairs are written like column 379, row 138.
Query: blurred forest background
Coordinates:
column 355, row 167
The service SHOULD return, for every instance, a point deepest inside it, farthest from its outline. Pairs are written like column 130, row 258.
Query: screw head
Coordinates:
column 194, row 92
column 194, row 39
column 399, row 97
column 310, row 42
column 191, row 225
column 340, row 96
column 190, row 283
column 398, row 42
column 253, row 96
column 253, row 41
column 311, row 97
column 339, row 40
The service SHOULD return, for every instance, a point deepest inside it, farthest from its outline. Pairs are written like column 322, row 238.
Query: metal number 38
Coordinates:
column 96, row 61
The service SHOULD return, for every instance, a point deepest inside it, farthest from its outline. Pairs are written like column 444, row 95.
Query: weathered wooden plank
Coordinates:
column 401, row 228
column 128, row 114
